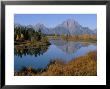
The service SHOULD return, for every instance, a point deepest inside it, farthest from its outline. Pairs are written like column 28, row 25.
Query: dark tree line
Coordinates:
column 24, row 33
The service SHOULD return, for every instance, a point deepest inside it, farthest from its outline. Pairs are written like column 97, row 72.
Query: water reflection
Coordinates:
column 39, row 58
column 69, row 46
column 32, row 52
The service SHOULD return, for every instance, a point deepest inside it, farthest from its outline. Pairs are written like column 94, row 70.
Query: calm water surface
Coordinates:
column 60, row 49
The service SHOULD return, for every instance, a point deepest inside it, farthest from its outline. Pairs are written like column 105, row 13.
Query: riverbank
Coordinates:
column 31, row 44
column 85, row 37
column 81, row 66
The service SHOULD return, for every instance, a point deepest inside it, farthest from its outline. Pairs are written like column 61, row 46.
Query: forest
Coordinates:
column 28, row 37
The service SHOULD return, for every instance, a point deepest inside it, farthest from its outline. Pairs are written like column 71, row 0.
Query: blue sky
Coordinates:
column 52, row 20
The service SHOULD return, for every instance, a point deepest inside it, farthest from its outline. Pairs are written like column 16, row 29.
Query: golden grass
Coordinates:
column 84, row 37
column 81, row 66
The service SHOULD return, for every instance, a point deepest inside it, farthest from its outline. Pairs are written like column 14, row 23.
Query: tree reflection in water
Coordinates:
column 31, row 51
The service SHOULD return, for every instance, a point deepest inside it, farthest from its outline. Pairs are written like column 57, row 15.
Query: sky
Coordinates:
column 52, row 20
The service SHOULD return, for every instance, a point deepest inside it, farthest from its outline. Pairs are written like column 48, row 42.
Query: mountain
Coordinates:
column 69, row 26
column 95, row 31
column 40, row 26
column 72, row 27
column 17, row 25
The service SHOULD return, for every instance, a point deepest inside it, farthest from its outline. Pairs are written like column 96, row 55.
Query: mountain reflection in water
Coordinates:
column 69, row 46
column 59, row 49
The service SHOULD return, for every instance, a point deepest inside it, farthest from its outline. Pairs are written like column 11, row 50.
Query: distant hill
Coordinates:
column 69, row 26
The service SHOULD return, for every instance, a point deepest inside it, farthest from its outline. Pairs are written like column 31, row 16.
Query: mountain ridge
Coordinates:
column 69, row 26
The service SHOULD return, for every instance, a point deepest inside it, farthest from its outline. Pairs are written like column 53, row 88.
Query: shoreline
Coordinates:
column 81, row 66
